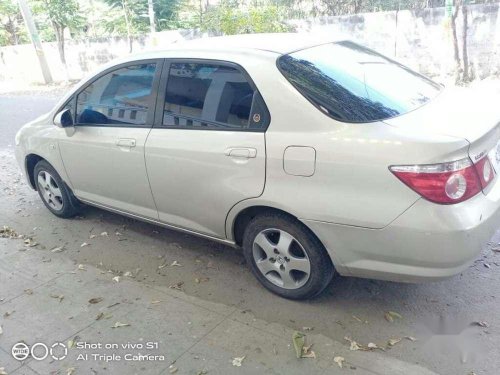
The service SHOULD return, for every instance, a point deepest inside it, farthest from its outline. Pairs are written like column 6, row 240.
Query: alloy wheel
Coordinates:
column 51, row 193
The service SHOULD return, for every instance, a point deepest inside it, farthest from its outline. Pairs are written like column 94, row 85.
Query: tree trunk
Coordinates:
column 60, row 41
column 455, row 42
column 127, row 23
column 465, row 55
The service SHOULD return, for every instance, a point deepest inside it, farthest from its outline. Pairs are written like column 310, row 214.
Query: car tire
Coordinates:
column 54, row 192
column 278, row 248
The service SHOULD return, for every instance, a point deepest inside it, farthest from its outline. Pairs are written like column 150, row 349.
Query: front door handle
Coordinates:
column 125, row 142
column 241, row 152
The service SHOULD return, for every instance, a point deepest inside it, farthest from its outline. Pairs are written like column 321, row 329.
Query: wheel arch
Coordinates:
column 29, row 164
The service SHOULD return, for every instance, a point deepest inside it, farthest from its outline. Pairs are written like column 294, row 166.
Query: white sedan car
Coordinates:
column 314, row 156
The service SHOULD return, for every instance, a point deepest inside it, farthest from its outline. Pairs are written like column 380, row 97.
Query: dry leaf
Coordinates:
column 177, row 286
column 154, row 302
column 307, row 328
column 411, row 338
column 393, row 342
column 162, row 265
column 2, row 371
column 354, row 345
column 70, row 371
column 175, row 263
column 84, row 244
column 128, row 274
column 172, row 369
column 372, row 345
column 480, row 324
column 28, row 291
column 92, row 236
column 118, row 325
column 391, row 315
column 95, row 300
column 99, row 316
column 72, row 342
column 81, row 267
column 8, row 313
column 104, row 234
column 238, row 360
column 118, row 234
column 339, row 361
column 116, row 279
column 60, row 297
column 57, row 249
column 307, row 352
column 201, row 280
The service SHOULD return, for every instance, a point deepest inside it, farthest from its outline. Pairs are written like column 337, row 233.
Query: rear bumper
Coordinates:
column 427, row 242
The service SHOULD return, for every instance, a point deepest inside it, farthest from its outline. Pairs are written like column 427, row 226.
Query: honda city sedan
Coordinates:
column 314, row 156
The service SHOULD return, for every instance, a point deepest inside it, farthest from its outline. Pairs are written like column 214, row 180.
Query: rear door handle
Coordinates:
column 241, row 152
column 125, row 142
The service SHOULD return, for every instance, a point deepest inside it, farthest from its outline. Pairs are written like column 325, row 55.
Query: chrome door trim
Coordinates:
column 160, row 223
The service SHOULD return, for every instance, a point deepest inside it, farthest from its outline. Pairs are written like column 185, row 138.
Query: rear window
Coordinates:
column 352, row 83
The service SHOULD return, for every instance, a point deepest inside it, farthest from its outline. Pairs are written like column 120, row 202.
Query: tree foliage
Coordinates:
column 11, row 28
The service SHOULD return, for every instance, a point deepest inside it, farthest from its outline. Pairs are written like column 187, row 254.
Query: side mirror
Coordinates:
column 63, row 119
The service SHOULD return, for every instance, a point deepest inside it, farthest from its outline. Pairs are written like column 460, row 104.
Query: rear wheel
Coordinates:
column 286, row 257
column 55, row 194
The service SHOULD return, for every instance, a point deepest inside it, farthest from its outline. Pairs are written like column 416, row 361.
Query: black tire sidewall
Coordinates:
column 322, row 269
column 69, row 208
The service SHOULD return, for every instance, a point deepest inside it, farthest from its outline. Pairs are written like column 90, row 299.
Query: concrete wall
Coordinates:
column 421, row 39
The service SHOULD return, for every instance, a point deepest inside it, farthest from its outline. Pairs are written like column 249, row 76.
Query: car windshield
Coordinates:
column 352, row 83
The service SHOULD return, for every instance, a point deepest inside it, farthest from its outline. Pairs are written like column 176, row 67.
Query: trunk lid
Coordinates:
column 471, row 114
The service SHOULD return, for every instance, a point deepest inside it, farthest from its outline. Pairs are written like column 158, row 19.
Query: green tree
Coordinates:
column 11, row 31
column 62, row 15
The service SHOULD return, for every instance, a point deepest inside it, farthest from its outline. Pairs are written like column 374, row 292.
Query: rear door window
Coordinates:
column 352, row 83
column 210, row 96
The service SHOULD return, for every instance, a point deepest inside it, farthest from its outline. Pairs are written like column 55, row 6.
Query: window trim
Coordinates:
column 162, row 90
column 151, row 103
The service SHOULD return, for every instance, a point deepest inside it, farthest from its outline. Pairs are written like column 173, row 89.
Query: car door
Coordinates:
column 206, row 151
column 104, row 157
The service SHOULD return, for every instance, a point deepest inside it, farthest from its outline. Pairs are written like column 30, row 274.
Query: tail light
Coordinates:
column 447, row 183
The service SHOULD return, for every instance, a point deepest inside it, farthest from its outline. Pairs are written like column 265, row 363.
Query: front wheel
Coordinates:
column 55, row 194
column 286, row 257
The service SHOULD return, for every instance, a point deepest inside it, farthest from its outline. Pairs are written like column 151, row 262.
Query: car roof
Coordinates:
column 280, row 43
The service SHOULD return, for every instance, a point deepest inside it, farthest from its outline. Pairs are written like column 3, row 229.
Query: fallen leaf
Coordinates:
column 486, row 265
column 154, row 302
column 118, row 325
column 175, row 263
column 411, row 338
column 393, row 342
column 372, row 345
column 73, row 341
column 480, row 324
column 238, row 360
column 8, row 313
column 177, row 286
column 118, row 234
column 81, row 267
column 99, row 316
column 307, row 328
column 391, row 315
column 57, row 249
column 201, row 280
column 298, row 339
column 307, row 352
column 84, row 244
column 339, row 361
column 28, row 291
column 70, row 371
column 104, row 234
column 60, row 297
column 92, row 236
column 128, row 274
column 354, row 345
column 116, row 279
column 172, row 369
column 162, row 265
column 95, row 300
column 496, row 249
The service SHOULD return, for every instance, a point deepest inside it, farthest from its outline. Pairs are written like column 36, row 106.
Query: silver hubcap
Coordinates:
column 50, row 191
column 281, row 258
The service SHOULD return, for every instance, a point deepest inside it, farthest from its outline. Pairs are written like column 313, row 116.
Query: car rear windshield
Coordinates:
column 352, row 83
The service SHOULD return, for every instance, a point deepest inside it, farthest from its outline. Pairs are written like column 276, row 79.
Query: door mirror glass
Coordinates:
column 64, row 119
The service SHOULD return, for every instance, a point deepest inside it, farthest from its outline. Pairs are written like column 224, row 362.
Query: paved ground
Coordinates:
column 221, row 312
